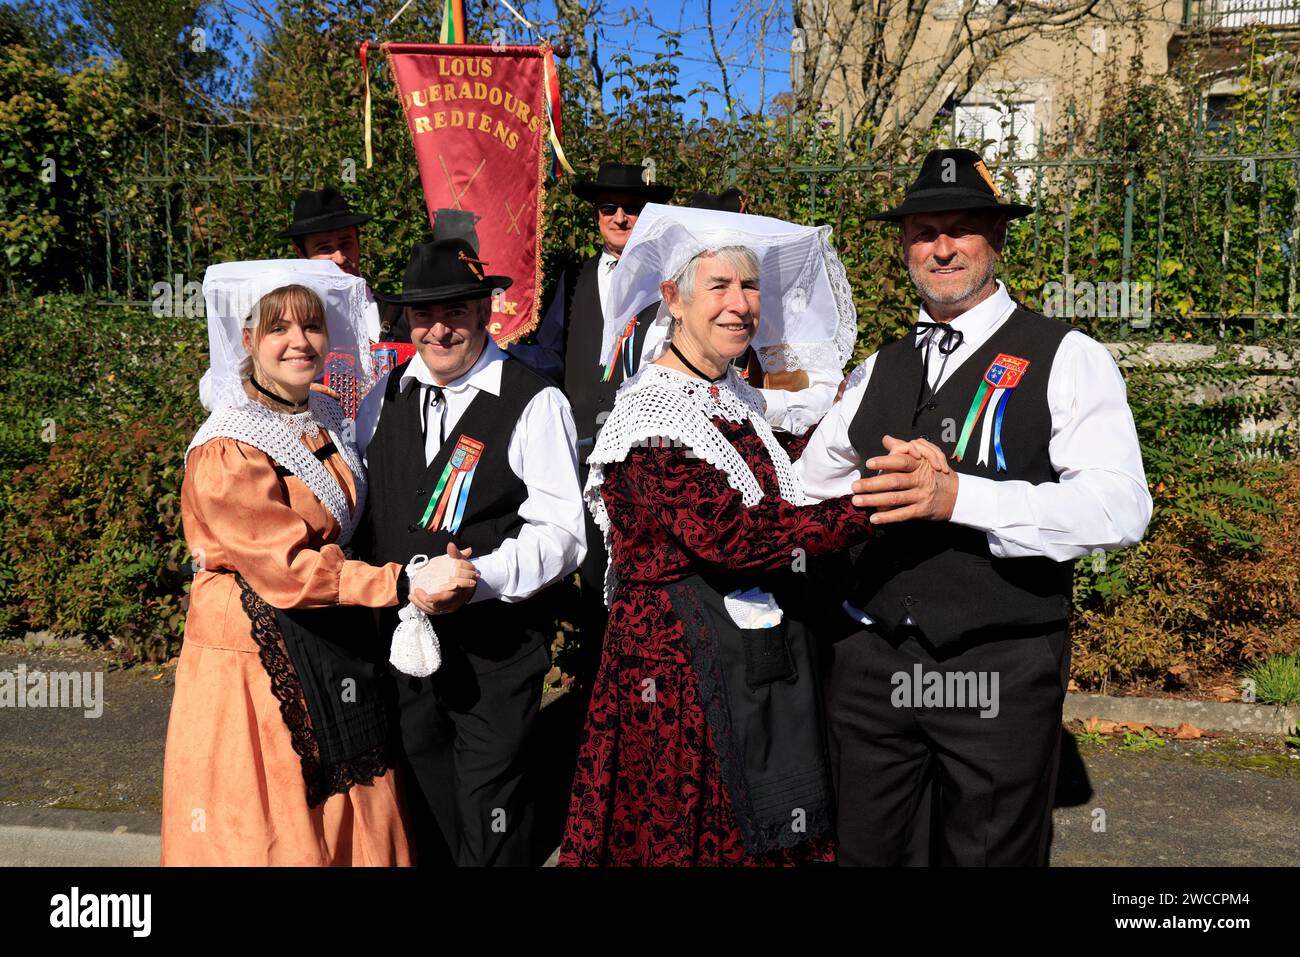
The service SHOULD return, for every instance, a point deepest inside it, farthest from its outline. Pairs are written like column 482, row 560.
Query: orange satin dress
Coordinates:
column 233, row 791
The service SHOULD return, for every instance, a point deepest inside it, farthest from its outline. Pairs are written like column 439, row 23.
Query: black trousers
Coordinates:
column 465, row 732
column 983, row 785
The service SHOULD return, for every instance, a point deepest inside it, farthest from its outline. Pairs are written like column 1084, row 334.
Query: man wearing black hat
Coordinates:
column 568, row 351
column 469, row 448
column 325, row 227
column 958, row 673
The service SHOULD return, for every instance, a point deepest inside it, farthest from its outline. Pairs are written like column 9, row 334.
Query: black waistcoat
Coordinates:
column 401, row 487
column 943, row 574
column 592, row 399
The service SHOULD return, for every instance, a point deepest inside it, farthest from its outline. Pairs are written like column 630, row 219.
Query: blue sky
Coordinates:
column 637, row 30
column 628, row 27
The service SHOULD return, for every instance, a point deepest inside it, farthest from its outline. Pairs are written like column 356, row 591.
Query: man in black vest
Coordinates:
column 958, row 673
column 469, row 448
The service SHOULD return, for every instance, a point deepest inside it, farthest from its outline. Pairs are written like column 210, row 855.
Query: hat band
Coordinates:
column 952, row 192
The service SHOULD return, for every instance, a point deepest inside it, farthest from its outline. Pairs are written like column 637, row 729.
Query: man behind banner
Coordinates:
column 959, row 672
column 471, row 454
column 325, row 227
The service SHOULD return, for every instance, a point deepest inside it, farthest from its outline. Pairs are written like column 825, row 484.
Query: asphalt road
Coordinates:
column 82, row 790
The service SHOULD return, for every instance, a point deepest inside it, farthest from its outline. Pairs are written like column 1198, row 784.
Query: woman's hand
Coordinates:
column 445, row 583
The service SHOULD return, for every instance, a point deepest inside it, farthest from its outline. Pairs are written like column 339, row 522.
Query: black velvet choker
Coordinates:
column 687, row 362
column 296, row 406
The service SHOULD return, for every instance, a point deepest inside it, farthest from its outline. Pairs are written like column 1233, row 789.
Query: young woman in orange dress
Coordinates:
column 279, row 746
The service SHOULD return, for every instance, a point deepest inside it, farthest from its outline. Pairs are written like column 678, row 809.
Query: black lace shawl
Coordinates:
column 334, row 697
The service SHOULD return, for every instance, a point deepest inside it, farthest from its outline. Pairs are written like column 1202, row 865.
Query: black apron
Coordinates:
column 759, row 689
column 327, row 671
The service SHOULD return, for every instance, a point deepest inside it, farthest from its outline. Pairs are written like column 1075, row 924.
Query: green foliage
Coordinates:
column 91, row 542
column 1277, row 680
column 1144, row 740
column 68, row 365
column 60, row 128
column 102, row 404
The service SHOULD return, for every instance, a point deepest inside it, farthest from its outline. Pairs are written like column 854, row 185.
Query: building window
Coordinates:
column 1000, row 132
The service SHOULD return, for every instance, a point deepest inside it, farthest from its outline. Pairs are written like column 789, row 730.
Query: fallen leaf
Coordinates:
column 1188, row 732
column 158, row 676
column 1100, row 725
column 1072, row 686
column 1137, row 727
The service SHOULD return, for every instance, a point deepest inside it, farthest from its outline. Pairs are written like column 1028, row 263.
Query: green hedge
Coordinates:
column 103, row 402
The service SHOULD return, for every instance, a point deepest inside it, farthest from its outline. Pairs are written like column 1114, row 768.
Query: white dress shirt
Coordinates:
column 553, row 539
column 604, row 276
column 1101, row 500
column 374, row 328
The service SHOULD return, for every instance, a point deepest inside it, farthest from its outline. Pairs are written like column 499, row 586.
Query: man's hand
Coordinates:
column 915, row 483
column 450, row 579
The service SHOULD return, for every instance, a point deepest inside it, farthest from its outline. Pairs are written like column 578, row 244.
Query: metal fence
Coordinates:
column 1229, row 211
column 1236, row 14
column 1098, row 218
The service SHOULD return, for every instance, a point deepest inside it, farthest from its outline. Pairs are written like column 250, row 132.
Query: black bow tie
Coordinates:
column 949, row 340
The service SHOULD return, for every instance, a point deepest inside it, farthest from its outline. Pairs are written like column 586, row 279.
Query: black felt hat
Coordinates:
column 729, row 200
column 952, row 180
column 318, row 210
column 621, row 178
column 446, row 270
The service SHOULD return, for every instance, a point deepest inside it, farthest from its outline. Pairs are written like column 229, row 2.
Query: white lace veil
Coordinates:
column 230, row 290
column 808, row 318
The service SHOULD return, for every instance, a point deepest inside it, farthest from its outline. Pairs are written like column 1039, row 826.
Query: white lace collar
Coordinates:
column 660, row 406
column 280, row 434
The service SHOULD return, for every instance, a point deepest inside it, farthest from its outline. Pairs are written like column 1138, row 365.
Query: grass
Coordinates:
column 1277, row 680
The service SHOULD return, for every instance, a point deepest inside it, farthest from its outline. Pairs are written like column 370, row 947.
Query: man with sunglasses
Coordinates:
column 567, row 350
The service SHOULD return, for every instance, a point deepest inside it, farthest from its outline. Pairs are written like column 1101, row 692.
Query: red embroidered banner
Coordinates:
column 478, row 119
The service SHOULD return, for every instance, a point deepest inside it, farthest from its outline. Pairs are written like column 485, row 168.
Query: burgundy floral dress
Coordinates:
column 648, row 788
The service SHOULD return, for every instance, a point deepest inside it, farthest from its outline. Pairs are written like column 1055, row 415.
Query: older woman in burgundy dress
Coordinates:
column 704, row 741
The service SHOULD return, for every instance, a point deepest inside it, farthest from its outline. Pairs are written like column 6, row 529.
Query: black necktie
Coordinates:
column 433, row 395
column 949, row 340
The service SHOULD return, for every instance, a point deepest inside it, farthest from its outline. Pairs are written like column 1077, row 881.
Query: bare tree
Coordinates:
column 575, row 16
column 868, row 51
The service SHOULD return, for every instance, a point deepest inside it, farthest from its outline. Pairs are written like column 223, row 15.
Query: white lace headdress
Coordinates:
column 230, row 290
column 808, row 319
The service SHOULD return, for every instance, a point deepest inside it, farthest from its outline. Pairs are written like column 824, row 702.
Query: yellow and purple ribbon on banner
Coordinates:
column 622, row 349
column 1000, row 379
column 447, row 504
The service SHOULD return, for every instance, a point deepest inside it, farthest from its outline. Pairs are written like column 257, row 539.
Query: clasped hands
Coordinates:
column 444, row 583
column 915, row 482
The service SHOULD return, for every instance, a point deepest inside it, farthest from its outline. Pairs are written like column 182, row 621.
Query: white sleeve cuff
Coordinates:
column 977, row 504
column 489, row 583
column 777, row 402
